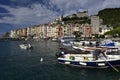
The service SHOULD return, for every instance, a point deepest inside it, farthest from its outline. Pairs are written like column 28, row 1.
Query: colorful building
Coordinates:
column 86, row 30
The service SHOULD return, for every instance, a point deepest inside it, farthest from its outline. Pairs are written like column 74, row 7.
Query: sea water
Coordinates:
column 18, row 64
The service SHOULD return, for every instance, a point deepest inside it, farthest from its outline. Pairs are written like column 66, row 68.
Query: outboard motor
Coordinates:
column 59, row 54
column 97, row 44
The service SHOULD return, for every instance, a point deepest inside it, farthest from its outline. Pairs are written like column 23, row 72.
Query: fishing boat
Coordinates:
column 85, row 43
column 110, row 44
column 67, row 43
column 109, row 48
column 63, row 51
column 55, row 39
column 92, row 59
column 68, row 38
column 25, row 46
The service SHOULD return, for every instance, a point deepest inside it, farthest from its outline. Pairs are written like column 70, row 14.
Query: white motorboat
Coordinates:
column 25, row 46
column 90, row 60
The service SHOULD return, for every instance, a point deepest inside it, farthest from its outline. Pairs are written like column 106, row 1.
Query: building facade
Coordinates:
column 86, row 30
column 95, row 23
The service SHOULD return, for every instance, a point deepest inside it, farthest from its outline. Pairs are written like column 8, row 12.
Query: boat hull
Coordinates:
column 90, row 64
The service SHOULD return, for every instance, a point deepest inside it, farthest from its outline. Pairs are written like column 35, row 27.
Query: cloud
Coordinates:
column 67, row 6
column 93, row 6
column 111, row 3
column 48, row 10
column 102, row 4
column 72, row 5
column 35, row 14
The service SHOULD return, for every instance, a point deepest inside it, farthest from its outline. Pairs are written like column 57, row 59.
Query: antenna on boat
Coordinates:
column 112, row 66
column 108, row 61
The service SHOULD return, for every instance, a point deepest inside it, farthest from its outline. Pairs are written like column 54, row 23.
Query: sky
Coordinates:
column 17, row 14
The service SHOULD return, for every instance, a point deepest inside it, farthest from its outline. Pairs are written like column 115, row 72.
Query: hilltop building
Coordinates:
column 82, row 14
column 79, row 14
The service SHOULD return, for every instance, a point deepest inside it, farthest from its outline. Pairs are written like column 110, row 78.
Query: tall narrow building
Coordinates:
column 95, row 23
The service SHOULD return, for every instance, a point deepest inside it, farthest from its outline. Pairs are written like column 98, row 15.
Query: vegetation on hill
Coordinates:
column 81, row 20
column 6, row 35
column 110, row 16
column 115, row 32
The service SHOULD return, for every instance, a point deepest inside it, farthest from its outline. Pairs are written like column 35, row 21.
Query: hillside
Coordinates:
column 81, row 20
column 110, row 16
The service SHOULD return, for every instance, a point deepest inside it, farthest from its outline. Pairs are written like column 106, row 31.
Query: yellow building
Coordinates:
column 23, row 32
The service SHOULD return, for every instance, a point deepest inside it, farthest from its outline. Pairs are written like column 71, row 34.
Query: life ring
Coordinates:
column 72, row 58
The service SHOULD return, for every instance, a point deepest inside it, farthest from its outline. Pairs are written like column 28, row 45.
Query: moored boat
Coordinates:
column 64, row 51
column 90, row 60
column 25, row 46
column 108, row 48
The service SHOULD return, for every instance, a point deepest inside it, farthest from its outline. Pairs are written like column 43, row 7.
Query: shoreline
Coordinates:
column 11, row 39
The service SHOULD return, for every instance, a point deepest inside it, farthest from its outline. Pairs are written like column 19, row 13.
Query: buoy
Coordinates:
column 41, row 59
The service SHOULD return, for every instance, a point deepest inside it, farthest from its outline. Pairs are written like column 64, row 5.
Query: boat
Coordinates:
column 68, row 38
column 86, row 43
column 90, row 60
column 67, row 43
column 109, row 43
column 109, row 49
column 64, row 50
column 109, row 46
column 25, row 46
column 55, row 39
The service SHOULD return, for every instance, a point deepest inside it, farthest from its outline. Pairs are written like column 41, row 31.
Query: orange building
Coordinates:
column 60, row 31
column 23, row 32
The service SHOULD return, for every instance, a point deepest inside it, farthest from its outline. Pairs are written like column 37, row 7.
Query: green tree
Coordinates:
column 77, row 34
column 110, row 16
column 114, row 32
column 6, row 35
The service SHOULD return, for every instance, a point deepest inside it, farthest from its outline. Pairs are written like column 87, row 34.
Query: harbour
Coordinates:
column 59, row 40
column 18, row 64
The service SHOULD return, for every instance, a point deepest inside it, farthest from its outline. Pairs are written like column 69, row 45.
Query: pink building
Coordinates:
column 87, row 30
